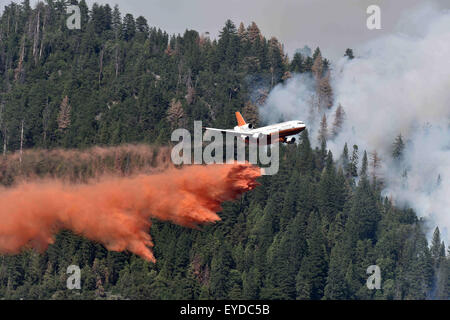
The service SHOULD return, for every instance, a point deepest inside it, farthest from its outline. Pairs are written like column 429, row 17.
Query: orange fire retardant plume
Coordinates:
column 116, row 211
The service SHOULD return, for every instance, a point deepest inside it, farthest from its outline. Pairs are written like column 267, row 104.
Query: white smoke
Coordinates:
column 397, row 84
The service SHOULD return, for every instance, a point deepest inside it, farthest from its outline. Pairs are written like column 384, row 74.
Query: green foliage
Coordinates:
column 310, row 232
column 398, row 148
column 349, row 54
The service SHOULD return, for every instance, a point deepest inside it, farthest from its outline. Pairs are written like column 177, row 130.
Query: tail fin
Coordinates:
column 240, row 119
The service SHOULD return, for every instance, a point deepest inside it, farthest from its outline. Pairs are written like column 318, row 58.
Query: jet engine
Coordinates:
column 290, row 140
column 245, row 127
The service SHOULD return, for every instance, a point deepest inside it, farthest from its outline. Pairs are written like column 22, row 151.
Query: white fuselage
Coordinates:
column 284, row 129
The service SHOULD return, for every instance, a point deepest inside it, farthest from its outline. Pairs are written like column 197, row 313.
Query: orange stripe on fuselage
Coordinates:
column 289, row 132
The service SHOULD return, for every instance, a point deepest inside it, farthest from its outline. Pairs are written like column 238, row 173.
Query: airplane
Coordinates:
column 286, row 130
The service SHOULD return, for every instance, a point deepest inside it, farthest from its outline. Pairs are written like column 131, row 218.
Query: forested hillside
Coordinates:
column 309, row 232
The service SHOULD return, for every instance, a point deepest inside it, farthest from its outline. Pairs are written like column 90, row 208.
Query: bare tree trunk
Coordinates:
column 18, row 70
column 375, row 165
column 180, row 69
column 16, row 14
column 117, row 60
column 45, row 120
column 5, row 139
column 7, row 29
column 43, row 33
column 272, row 82
column 101, row 68
column 36, row 36
column 30, row 25
column 21, row 144
column 3, row 125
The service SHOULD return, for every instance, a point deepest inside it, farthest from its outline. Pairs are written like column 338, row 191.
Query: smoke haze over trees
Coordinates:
column 390, row 99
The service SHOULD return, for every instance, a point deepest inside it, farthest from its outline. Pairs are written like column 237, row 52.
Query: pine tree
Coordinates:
column 364, row 214
column 142, row 26
column 311, row 277
column 339, row 117
column 364, row 166
column 297, row 63
column 327, row 190
column 251, row 283
column 317, row 66
column 349, row 54
column 398, row 148
column 242, row 32
column 253, row 33
column 325, row 92
column 308, row 64
column 323, row 130
column 251, row 114
column 353, row 164
column 345, row 160
column 129, row 27
column 64, row 114
column 220, row 268
column 117, row 22
column 306, row 158
column 336, row 285
column 175, row 114
column 375, row 165
column 436, row 247
column 316, row 53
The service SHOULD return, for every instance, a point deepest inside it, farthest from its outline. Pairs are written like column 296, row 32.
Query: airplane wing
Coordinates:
column 227, row 131
column 237, row 133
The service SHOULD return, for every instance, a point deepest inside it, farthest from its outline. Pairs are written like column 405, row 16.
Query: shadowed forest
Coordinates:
column 77, row 104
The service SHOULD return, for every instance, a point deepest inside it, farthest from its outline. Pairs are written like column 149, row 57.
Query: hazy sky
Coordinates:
column 333, row 25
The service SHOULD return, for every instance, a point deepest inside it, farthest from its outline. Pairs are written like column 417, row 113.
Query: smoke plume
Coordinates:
column 116, row 211
column 396, row 84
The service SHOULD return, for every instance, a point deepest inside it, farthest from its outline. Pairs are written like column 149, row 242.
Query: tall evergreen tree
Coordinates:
column 311, row 277
column 129, row 27
column 398, row 148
